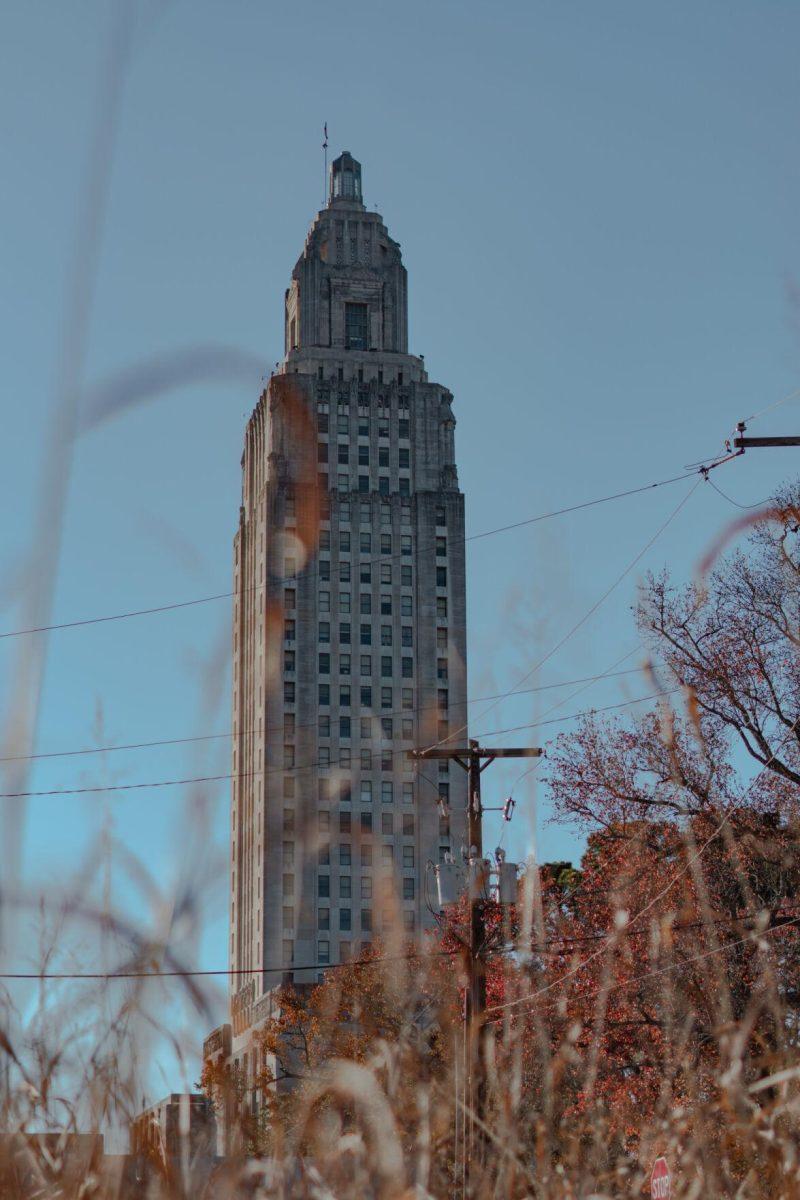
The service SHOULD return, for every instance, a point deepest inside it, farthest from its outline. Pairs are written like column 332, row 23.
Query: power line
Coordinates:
column 210, row 737
column 266, row 771
column 578, row 624
column 162, row 608
column 226, row 971
column 730, row 499
column 573, row 716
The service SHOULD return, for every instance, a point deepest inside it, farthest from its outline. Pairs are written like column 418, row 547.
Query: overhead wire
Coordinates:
column 582, row 621
column 264, row 771
column 162, row 608
column 210, row 737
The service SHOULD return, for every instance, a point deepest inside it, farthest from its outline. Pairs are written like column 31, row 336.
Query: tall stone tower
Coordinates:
column 349, row 635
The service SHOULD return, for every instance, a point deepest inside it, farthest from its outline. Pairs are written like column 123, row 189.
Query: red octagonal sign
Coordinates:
column 660, row 1180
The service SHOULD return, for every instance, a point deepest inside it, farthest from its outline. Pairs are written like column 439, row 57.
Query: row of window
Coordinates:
column 324, row 946
column 383, row 760
column 343, row 424
column 365, row 542
column 345, row 572
column 362, row 457
column 363, row 484
column 365, row 634
column 386, row 603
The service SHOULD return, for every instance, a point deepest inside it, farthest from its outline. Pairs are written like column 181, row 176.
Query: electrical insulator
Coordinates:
column 508, row 808
column 507, row 882
column 447, row 883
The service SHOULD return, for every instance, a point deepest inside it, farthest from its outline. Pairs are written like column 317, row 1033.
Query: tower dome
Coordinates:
column 345, row 180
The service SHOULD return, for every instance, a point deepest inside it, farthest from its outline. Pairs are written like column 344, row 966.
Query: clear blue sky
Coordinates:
column 598, row 211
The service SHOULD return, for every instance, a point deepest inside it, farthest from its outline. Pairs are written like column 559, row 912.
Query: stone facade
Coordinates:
column 349, row 637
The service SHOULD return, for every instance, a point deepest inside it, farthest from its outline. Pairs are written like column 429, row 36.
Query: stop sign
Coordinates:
column 660, row 1180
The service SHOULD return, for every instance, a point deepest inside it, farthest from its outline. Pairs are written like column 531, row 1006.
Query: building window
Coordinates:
column 365, row 572
column 324, row 693
column 441, row 577
column 323, row 886
column 344, row 602
column 344, row 854
column 289, row 630
column 403, row 428
column 322, row 420
column 406, row 609
column 288, row 854
column 441, row 639
column 324, row 631
column 407, row 668
column 288, row 757
column 324, row 567
column 344, row 571
column 366, row 856
column 405, row 575
column 383, row 422
column 386, row 697
column 408, row 884
column 344, row 633
column 365, row 604
column 407, row 636
column 324, row 602
column 366, row 792
column 366, row 920
column 344, row 541
column 441, row 669
column 408, row 793
column 323, row 952
column 288, row 952
column 386, row 543
column 441, row 516
column 366, row 755
column 366, row 698
column 288, row 787
column 408, row 824
column 404, row 455
column 404, row 486
column 407, row 699
column 383, row 485
column 344, row 918
column 386, row 572
column 366, row 821
column 324, row 754
column 324, row 855
column 366, row 887
column 387, row 763
column 345, row 822
column 342, row 425
column 383, row 456
column 365, row 543
column 288, row 691
column 288, row 885
column 356, row 326
column 343, row 453
column 324, row 918
column 363, row 418
column 289, row 597
column 386, row 635
column 324, row 727
column 344, row 727
column 288, row 820
column 344, row 696
column 387, row 824
column 324, row 664
column 386, row 666
column 387, row 854
column 441, row 606
column 344, row 664
column 345, row 887
column 386, row 605
column 343, row 481
column 386, row 728
column 409, row 920
column 387, row 792
column 363, row 456
column 324, row 820
column 366, row 664
column 363, row 484
column 443, row 697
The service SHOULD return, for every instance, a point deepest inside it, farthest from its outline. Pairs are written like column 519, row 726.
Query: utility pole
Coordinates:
column 474, row 759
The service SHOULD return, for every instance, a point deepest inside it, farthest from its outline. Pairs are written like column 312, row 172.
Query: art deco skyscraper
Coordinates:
column 350, row 620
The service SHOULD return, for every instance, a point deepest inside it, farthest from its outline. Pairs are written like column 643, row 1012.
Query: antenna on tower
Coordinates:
column 325, row 152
